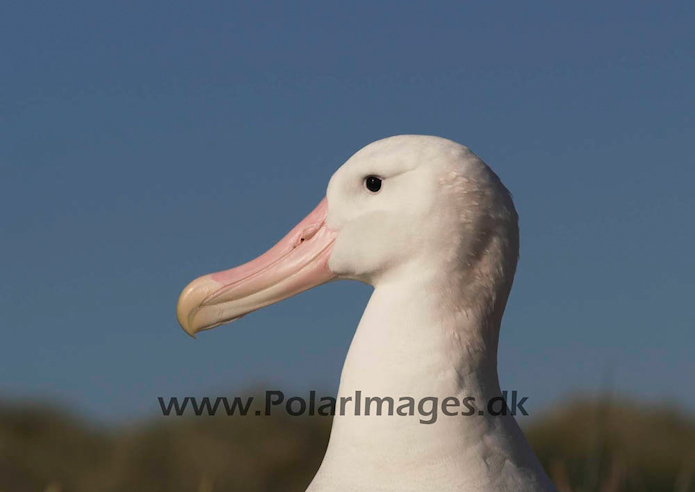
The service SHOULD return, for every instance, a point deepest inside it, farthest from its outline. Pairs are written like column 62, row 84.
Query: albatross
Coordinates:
column 432, row 228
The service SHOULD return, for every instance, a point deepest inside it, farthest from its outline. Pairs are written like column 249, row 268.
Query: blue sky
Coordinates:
column 145, row 143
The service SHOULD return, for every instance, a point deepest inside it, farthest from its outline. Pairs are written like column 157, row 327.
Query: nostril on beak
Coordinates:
column 307, row 234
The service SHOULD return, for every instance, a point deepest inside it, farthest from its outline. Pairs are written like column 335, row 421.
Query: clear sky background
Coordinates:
column 143, row 144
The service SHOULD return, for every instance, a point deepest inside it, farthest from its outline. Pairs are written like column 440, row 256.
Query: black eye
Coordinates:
column 373, row 183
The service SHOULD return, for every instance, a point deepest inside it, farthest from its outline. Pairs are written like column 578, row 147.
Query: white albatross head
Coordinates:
column 402, row 208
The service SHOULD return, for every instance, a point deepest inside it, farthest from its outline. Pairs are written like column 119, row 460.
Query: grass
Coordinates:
column 585, row 445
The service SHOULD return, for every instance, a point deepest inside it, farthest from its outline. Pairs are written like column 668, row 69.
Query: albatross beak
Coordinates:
column 297, row 263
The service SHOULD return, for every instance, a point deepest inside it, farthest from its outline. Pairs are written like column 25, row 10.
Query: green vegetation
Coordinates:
column 604, row 445
column 585, row 446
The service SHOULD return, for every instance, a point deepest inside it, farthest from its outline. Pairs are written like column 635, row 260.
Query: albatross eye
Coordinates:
column 373, row 183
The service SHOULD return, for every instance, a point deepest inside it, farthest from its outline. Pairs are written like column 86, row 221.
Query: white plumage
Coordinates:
column 439, row 242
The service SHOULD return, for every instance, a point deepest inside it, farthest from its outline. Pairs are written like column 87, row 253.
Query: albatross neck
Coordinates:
column 414, row 341
column 418, row 339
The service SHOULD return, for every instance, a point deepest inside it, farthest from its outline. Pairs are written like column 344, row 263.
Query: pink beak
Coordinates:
column 295, row 264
